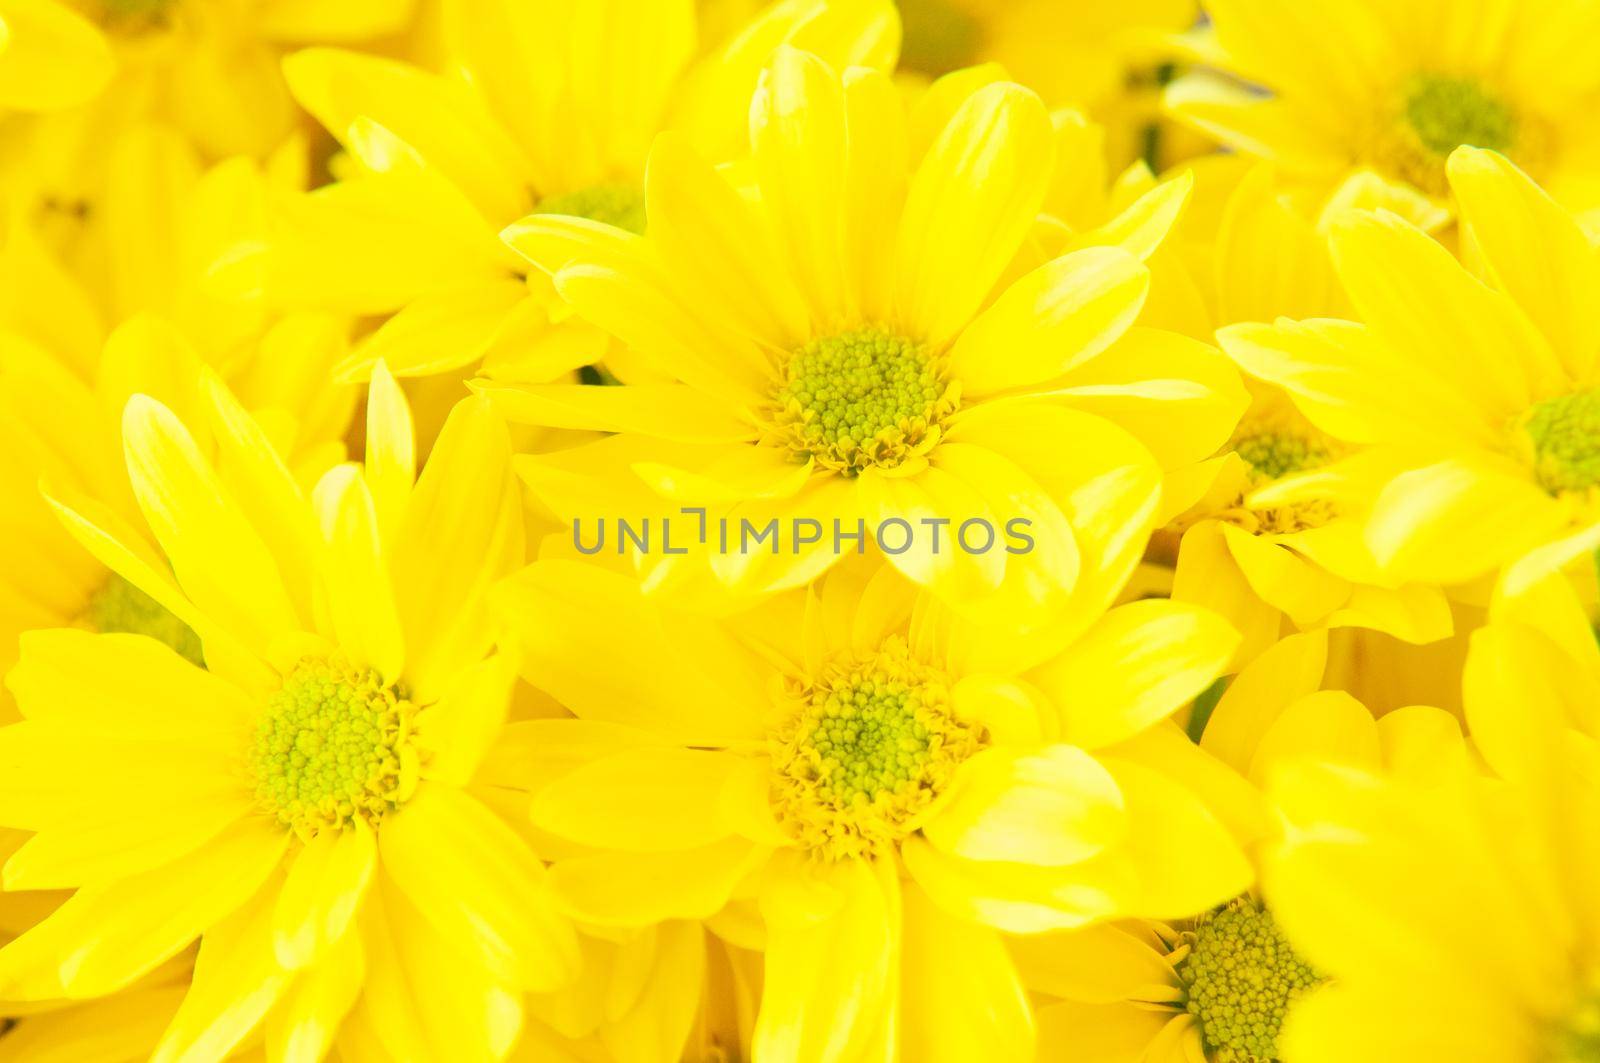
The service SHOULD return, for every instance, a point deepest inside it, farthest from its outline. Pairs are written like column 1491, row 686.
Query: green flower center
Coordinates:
column 1564, row 437
column 133, row 16
column 1242, row 975
column 621, row 205
column 333, row 745
column 937, row 36
column 1446, row 112
column 1578, row 1039
column 1273, row 455
column 869, row 746
column 862, row 399
column 121, row 608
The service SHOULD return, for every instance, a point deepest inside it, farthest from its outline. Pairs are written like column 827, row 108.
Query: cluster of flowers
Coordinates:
column 1267, row 338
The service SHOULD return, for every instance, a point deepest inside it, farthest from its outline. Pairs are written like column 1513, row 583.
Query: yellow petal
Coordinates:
column 829, row 990
column 106, row 936
column 1138, row 665
column 1050, row 806
column 1290, row 669
column 220, row 561
column 994, row 157
column 321, row 893
column 644, row 888
column 642, row 799
column 477, row 883
column 391, row 462
column 311, row 1010
column 51, row 57
column 961, row 998
column 355, row 580
column 1060, row 315
column 236, row 981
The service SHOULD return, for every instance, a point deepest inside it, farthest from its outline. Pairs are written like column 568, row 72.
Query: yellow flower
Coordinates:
column 1217, row 986
column 1377, row 877
column 50, row 57
column 556, row 114
column 1385, row 90
column 865, row 788
column 1480, row 393
column 869, row 335
column 1275, row 535
column 299, row 804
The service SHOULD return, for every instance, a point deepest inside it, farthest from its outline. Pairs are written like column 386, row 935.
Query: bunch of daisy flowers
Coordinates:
column 822, row 531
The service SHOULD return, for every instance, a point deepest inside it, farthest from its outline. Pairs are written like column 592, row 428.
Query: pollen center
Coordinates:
column 135, row 16
column 121, row 608
column 1438, row 114
column 869, row 747
column 1563, row 435
column 862, row 399
column 618, row 204
column 333, row 745
column 1273, row 455
column 1241, row 975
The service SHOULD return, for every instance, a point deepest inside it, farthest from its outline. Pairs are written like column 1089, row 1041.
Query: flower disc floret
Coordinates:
column 870, row 745
column 334, row 745
column 861, row 399
column 1241, row 976
column 1564, row 436
column 621, row 205
column 1437, row 114
column 1270, row 452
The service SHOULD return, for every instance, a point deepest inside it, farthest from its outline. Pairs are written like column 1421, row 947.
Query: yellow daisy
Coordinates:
column 870, row 335
column 867, row 789
column 65, row 432
column 1217, row 986
column 555, row 113
column 51, row 57
column 1478, row 390
column 301, row 804
column 1276, row 538
column 1385, row 90
column 1377, row 878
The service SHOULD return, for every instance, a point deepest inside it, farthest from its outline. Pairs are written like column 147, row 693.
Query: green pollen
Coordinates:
column 1242, row 975
column 621, row 205
column 333, row 745
column 1564, row 435
column 937, row 36
column 1446, row 112
column 860, row 399
column 121, row 608
column 1272, row 455
column 871, row 745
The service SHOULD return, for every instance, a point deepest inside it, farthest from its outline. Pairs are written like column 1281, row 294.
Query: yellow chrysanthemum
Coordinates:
column 1377, row 877
column 1387, row 89
column 866, row 788
column 1476, row 389
column 300, row 804
column 1218, row 986
column 555, row 113
column 1276, row 536
column 868, row 336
